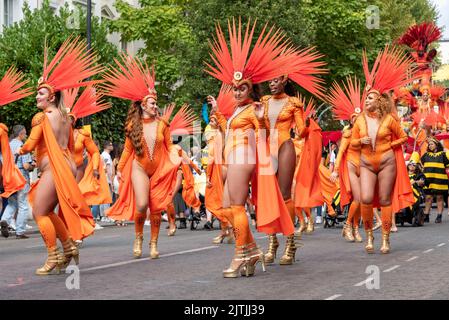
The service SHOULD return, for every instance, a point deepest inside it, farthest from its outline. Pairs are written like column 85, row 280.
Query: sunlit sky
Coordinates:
column 443, row 22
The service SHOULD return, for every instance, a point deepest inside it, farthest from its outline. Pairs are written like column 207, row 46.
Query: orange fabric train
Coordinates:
column 188, row 189
column 328, row 189
column 308, row 184
column 214, row 194
column 95, row 191
column 13, row 179
column 73, row 208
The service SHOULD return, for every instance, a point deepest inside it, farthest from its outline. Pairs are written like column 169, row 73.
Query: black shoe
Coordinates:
column 4, row 228
column 438, row 219
column 182, row 223
column 426, row 217
column 22, row 236
column 208, row 226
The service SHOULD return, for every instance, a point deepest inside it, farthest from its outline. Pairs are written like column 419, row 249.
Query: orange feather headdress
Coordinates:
column 271, row 56
column 391, row 69
column 88, row 103
column 346, row 101
column 183, row 122
column 418, row 37
column 11, row 87
column 226, row 101
column 131, row 79
column 70, row 66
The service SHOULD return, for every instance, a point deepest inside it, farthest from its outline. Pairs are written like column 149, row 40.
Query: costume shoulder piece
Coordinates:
column 296, row 102
column 165, row 122
column 84, row 132
column 347, row 132
column 37, row 119
column 3, row 127
column 265, row 98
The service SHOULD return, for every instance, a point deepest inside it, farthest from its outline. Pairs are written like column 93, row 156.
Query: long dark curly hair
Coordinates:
column 134, row 128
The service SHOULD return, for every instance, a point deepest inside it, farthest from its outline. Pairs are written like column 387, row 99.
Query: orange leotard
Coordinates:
column 352, row 153
column 84, row 141
column 150, row 158
column 280, row 113
column 373, row 156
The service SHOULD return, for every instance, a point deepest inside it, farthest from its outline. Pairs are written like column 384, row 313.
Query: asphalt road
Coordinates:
column 190, row 268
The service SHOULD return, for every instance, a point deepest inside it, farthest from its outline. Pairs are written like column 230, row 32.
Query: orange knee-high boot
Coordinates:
column 367, row 216
column 387, row 217
column 55, row 259
column 242, row 233
column 302, row 223
column 225, row 216
column 171, row 219
column 347, row 229
column 70, row 249
column 155, row 219
column 356, row 223
column 60, row 228
column 139, row 221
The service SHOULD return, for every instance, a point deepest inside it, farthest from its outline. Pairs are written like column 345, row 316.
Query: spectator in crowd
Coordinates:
column 19, row 200
column 108, row 165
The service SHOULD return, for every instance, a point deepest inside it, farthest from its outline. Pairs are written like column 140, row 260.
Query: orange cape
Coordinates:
column 345, row 185
column 272, row 213
column 328, row 189
column 73, row 209
column 308, row 183
column 188, row 190
column 95, row 191
column 162, row 185
column 13, row 179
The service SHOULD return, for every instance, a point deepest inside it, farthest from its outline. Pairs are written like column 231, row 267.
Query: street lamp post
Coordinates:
column 86, row 120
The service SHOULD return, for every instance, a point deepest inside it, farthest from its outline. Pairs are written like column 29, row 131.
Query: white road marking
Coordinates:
column 441, row 244
column 117, row 264
column 335, row 296
column 392, row 268
column 260, row 238
column 364, row 282
column 38, row 246
column 428, row 250
column 412, row 258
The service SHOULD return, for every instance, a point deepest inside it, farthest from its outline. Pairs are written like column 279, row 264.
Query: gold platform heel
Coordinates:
column 230, row 236
column 255, row 256
column 290, row 252
column 70, row 251
column 154, row 254
column 219, row 239
column 310, row 225
column 300, row 231
column 369, row 241
column 55, row 261
column 356, row 233
column 137, row 248
column 273, row 246
column 238, row 263
column 385, row 248
column 347, row 233
column 171, row 232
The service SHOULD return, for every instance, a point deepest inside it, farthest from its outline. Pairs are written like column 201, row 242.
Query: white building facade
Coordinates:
column 11, row 12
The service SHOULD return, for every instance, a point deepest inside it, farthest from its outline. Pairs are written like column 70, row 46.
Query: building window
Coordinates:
column 8, row 6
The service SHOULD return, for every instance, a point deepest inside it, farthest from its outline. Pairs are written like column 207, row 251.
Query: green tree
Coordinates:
column 31, row 33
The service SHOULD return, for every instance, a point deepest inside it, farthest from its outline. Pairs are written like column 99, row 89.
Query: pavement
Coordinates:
column 190, row 267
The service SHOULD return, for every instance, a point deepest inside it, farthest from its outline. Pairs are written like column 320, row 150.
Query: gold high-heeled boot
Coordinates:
column 230, row 236
column 171, row 232
column 290, row 251
column 55, row 261
column 255, row 256
column 356, row 233
column 70, row 251
column 273, row 246
column 154, row 254
column 347, row 233
column 137, row 248
column 239, row 261
column 310, row 225
column 219, row 239
column 301, row 229
column 385, row 248
column 369, row 241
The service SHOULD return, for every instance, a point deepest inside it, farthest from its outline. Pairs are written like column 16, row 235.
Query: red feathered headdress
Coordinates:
column 131, row 79
column 270, row 57
column 70, row 66
column 10, row 87
column 89, row 102
column 346, row 101
column 226, row 101
column 392, row 69
column 304, row 69
column 436, row 92
column 184, row 121
column 418, row 37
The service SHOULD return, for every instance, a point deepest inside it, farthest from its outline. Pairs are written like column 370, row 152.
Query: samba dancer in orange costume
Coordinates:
column 269, row 58
column 383, row 175
column 91, row 178
column 346, row 104
column 52, row 138
column 282, row 110
column 149, row 163
column 11, row 177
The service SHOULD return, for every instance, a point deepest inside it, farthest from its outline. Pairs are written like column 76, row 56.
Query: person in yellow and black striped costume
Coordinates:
column 435, row 161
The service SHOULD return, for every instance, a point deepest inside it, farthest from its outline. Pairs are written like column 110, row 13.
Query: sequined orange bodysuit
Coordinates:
column 155, row 134
column 280, row 113
column 83, row 141
column 376, row 156
column 352, row 153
